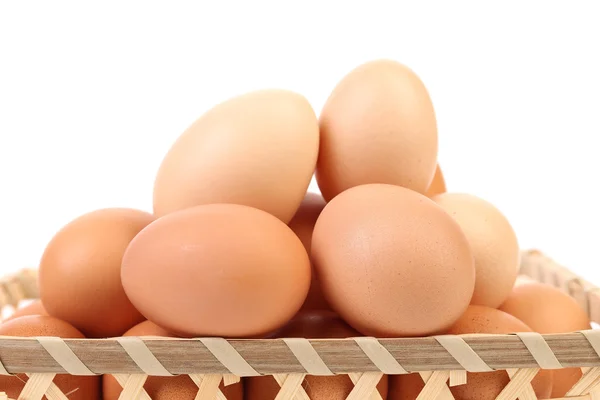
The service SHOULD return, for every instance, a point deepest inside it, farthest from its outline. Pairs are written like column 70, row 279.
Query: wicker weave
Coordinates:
column 441, row 360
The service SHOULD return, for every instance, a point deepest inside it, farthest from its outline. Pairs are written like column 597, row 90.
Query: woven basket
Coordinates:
column 441, row 360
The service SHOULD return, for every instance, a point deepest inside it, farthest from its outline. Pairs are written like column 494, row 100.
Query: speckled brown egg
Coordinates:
column 217, row 270
column 79, row 387
column 303, row 224
column 391, row 262
column 80, row 272
column 377, row 126
column 547, row 309
column 258, row 149
column 493, row 242
column 33, row 308
column 312, row 325
column 438, row 184
column 164, row 388
column 487, row 385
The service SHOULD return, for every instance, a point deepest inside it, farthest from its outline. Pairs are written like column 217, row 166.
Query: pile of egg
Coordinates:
column 236, row 247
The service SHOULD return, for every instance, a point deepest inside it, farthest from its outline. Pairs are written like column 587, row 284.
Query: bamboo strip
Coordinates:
column 342, row 356
column 36, row 386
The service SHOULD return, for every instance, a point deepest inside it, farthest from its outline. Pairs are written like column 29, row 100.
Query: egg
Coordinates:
column 33, row 308
column 217, row 270
column 481, row 385
column 547, row 309
column 302, row 224
column 258, row 149
column 377, row 126
column 493, row 242
column 312, row 325
column 80, row 272
column 391, row 262
column 164, row 388
column 438, row 184
column 79, row 387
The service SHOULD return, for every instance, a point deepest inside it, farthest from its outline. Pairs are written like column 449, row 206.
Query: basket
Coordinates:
column 442, row 361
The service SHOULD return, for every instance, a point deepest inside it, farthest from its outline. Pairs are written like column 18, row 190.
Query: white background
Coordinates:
column 91, row 97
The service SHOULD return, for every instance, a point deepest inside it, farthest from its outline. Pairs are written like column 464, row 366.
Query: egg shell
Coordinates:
column 164, row 388
column 79, row 387
column 33, row 308
column 80, row 272
column 493, row 242
column 302, row 225
column 258, row 149
column 312, row 324
column 438, row 184
column 547, row 310
column 217, row 270
column 391, row 262
column 377, row 126
column 487, row 385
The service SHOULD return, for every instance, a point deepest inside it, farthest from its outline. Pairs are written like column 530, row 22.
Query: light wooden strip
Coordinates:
column 355, row 377
column 229, row 379
column 434, row 386
column 209, row 387
column 527, row 393
column 122, row 380
column 445, row 394
column 142, row 356
column 518, row 384
column 292, row 384
column 198, row 379
column 300, row 393
column 380, row 356
column 540, row 350
column 3, row 370
column 587, row 380
column 36, row 386
column 457, row 378
column 133, row 387
column 53, row 392
column 365, row 386
column 307, row 356
column 229, row 357
column 463, row 353
column 64, row 356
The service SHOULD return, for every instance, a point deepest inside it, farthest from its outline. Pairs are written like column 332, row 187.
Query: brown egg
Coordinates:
column 405, row 387
column 258, row 149
column 378, row 126
column 79, row 387
column 487, row 385
column 312, row 325
column 391, row 262
column 34, row 308
column 217, row 270
column 164, row 388
column 303, row 224
column 493, row 242
column 438, row 185
column 549, row 310
column 80, row 272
